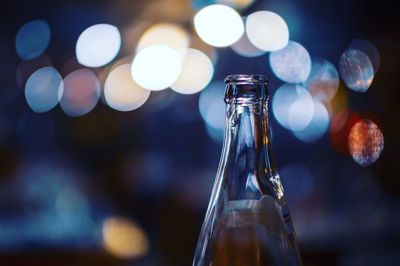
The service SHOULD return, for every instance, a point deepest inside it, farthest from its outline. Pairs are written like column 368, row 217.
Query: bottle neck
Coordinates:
column 247, row 134
column 248, row 167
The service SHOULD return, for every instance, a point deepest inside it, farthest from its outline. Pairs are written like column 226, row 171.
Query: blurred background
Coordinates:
column 112, row 117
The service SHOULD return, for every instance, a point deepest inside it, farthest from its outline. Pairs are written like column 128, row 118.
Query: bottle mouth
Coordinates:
column 244, row 78
column 246, row 89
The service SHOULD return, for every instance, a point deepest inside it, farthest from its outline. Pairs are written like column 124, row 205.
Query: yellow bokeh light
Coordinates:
column 156, row 67
column 124, row 239
column 197, row 71
column 122, row 92
column 167, row 34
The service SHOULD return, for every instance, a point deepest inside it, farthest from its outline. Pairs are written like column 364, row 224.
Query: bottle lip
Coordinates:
column 245, row 78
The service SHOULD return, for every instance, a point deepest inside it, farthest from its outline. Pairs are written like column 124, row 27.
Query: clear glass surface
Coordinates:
column 247, row 222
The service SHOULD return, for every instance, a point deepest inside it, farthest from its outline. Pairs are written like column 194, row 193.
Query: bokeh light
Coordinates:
column 81, row 92
column 369, row 49
column 365, row 142
column 323, row 81
column 156, row 67
column 196, row 72
column 245, row 48
column 291, row 64
column 32, row 39
column 218, row 25
column 167, row 34
column 267, row 30
column 317, row 127
column 293, row 107
column 212, row 106
column 121, row 92
column 124, row 239
column 356, row 70
column 42, row 89
column 98, row 45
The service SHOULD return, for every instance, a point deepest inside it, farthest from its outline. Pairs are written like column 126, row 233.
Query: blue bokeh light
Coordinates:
column 32, row 39
column 356, row 70
column 42, row 88
column 291, row 64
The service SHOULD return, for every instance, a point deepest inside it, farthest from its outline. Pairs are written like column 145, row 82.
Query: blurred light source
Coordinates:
column 356, row 70
column 156, row 67
column 196, row 72
column 218, row 25
column 81, row 92
column 293, row 107
column 323, row 81
column 32, row 39
column 369, row 49
column 365, row 142
column 301, row 113
column 42, row 89
column 212, row 106
column 166, row 34
column 267, row 30
column 317, row 127
column 121, row 91
column 124, row 239
column 291, row 64
column 98, row 45
column 245, row 48
column 8, row 86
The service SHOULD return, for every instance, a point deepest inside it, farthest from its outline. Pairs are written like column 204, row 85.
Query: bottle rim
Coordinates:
column 245, row 78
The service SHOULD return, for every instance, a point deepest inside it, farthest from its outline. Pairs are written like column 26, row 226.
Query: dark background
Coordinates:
column 156, row 165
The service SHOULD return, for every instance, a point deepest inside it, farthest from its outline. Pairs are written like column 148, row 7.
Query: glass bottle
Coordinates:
column 247, row 222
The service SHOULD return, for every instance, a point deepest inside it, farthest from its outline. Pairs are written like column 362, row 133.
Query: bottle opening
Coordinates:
column 246, row 88
column 244, row 78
